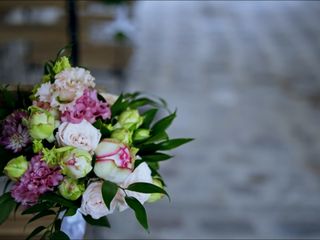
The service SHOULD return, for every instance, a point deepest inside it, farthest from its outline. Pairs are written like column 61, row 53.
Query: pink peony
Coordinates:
column 37, row 180
column 87, row 107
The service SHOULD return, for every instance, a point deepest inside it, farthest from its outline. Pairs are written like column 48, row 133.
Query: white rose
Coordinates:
column 92, row 202
column 81, row 135
column 114, row 161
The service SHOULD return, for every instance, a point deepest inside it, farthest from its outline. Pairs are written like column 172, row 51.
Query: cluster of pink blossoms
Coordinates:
column 38, row 179
column 87, row 107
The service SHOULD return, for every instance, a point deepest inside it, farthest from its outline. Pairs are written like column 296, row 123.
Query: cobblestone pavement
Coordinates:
column 245, row 79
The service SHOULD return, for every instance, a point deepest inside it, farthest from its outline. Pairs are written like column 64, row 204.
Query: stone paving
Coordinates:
column 245, row 79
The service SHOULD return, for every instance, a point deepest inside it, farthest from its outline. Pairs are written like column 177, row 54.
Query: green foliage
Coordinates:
column 54, row 198
column 139, row 211
column 38, row 208
column 7, row 204
column 42, row 214
column 102, row 222
column 35, row 232
column 146, row 188
column 109, row 190
column 59, row 235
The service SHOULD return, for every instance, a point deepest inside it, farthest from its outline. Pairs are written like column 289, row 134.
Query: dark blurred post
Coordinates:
column 73, row 30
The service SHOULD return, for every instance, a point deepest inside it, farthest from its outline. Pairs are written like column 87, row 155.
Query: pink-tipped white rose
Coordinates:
column 114, row 161
column 81, row 135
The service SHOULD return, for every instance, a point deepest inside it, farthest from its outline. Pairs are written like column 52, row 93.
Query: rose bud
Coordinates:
column 71, row 189
column 156, row 196
column 129, row 119
column 114, row 161
column 16, row 167
column 41, row 124
column 123, row 135
column 76, row 163
column 141, row 134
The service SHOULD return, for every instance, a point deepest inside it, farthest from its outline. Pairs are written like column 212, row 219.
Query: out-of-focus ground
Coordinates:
column 245, row 77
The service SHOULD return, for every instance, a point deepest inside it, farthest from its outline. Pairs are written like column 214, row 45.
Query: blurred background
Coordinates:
column 245, row 77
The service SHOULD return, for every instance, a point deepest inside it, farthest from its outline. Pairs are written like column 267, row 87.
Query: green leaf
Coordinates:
column 57, row 224
column 42, row 214
column 133, row 95
column 102, row 127
column 140, row 102
column 59, row 235
column 148, row 117
column 37, row 208
column 146, row 149
column 109, row 190
column 156, row 157
column 102, row 222
column 6, row 185
column 154, row 165
column 119, row 106
column 70, row 212
column 4, row 113
column 163, row 124
column 146, row 188
column 9, row 99
column 7, row 204
column 51, row 197
column 174, row 143
column 139, row 211
column 64, row 51
column 35, row 232
column 156, row 138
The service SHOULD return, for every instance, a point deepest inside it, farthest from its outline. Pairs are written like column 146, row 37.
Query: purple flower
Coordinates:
column 87, row 107
column 14, row 135
column 37, row 180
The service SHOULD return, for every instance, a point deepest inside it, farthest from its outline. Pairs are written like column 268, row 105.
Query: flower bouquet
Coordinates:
column 67, row 148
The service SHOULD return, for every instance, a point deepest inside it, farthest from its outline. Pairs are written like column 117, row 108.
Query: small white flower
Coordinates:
column 81, row 135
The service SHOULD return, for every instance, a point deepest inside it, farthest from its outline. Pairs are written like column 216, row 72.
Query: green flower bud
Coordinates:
column 62, row 64
column 16, row 167
column 141, row 134
column 41, row 123
column 129, row 119
column 156, row 196
column 71, row 189
column 37, row 145
column 76, row 163
column 123, row 135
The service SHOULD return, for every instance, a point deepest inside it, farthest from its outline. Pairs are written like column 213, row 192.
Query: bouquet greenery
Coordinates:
column 65, row 147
